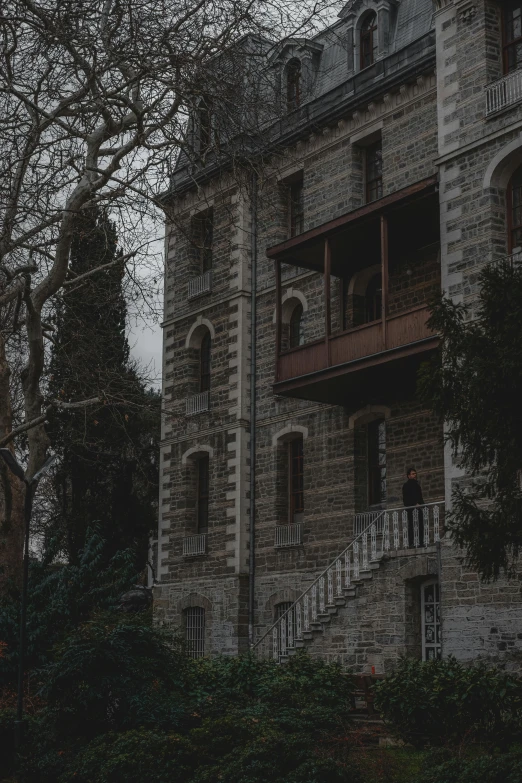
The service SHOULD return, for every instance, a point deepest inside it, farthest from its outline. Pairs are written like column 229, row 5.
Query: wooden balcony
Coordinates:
column 317, row 371
column 356, row 364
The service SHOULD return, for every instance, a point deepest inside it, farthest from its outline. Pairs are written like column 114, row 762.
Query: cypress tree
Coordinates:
column 108, row 471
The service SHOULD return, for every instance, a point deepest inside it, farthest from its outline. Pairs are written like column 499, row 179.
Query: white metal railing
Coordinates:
column 288, row 535
column 195, row 545
column 198, row 403
column 504, row 92
column 364, row 520
column 392, row 529
column 202, row 284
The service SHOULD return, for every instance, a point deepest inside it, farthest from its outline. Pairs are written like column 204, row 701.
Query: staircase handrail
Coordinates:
column 330, row 565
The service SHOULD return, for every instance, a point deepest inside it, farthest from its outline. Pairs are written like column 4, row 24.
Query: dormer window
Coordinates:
column 368, row 40
column 293, row 84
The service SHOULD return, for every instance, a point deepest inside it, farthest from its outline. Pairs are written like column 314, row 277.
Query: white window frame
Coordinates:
column 436, row 624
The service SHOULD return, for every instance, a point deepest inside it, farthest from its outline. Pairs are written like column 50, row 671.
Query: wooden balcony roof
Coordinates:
column 359, row 228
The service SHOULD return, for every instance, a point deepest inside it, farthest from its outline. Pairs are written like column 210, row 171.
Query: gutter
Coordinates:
column 253, row 336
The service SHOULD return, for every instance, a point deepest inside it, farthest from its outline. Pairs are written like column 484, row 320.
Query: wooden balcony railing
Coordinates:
column 363, row 342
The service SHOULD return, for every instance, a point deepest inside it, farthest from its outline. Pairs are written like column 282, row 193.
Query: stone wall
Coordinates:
column 422, row 131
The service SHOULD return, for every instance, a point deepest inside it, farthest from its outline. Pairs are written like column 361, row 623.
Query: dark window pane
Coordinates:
column 515, row 213
column 293, row 85
column 377, row 461
column 203, row 494
column 296, row 478
column 203, row 238
column 374, row 172
column 373, row 299
column 204, row 363
column 296, row 208
column 296, row 331
column 512, row 14
column 368, row 41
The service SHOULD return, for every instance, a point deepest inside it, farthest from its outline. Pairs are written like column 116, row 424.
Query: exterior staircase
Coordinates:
column 349, row 576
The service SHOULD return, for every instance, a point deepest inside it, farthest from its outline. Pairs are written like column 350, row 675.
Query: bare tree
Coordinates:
column 95, row 100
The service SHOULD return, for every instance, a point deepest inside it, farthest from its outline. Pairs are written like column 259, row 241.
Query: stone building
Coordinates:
column 391, row 169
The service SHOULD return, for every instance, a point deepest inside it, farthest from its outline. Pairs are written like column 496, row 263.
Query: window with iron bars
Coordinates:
column 287, row 629
column 195, row 631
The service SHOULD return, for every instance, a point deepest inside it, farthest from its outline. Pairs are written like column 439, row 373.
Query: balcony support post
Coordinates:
column 327, row 308
column 277, row 264
column 384, row 273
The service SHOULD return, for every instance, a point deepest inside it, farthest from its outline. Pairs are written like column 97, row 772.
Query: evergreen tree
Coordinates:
column 475, row 385
column 108, row 471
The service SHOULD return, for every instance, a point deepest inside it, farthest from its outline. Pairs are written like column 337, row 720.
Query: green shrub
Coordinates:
column 499, row 768
column 124, row 705
column 441, row 702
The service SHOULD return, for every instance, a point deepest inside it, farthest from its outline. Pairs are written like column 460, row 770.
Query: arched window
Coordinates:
column 368, row 40
column 514, row 205
column 373, row 299
column 296, row 480
column 204, row 363
column 512, row 35
column 296, row 327
column 195, row 631
column 293, row 84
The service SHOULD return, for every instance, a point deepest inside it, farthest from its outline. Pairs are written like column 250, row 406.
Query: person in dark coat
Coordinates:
column 411, row 498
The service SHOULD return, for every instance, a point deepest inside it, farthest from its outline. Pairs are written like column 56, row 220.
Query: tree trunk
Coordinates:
column 11, row 494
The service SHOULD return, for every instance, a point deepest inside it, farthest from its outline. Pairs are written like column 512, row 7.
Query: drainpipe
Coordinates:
column 253, row 313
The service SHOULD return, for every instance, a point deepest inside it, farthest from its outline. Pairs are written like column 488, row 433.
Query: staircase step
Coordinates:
column 331, row 609
column 300, row 643
column 324, row 618
column 316, row 627
column 375, row 564
column 307, row 635
column 350, row 592
column 339, row 601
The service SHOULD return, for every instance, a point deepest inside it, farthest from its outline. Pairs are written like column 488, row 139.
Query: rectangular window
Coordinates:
column 512, row 35
column 296, row 208
column 195, row 631
column 377, row 462
column 296, row 475
column 203, row 238
column 203, row 494
column 374, row 172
